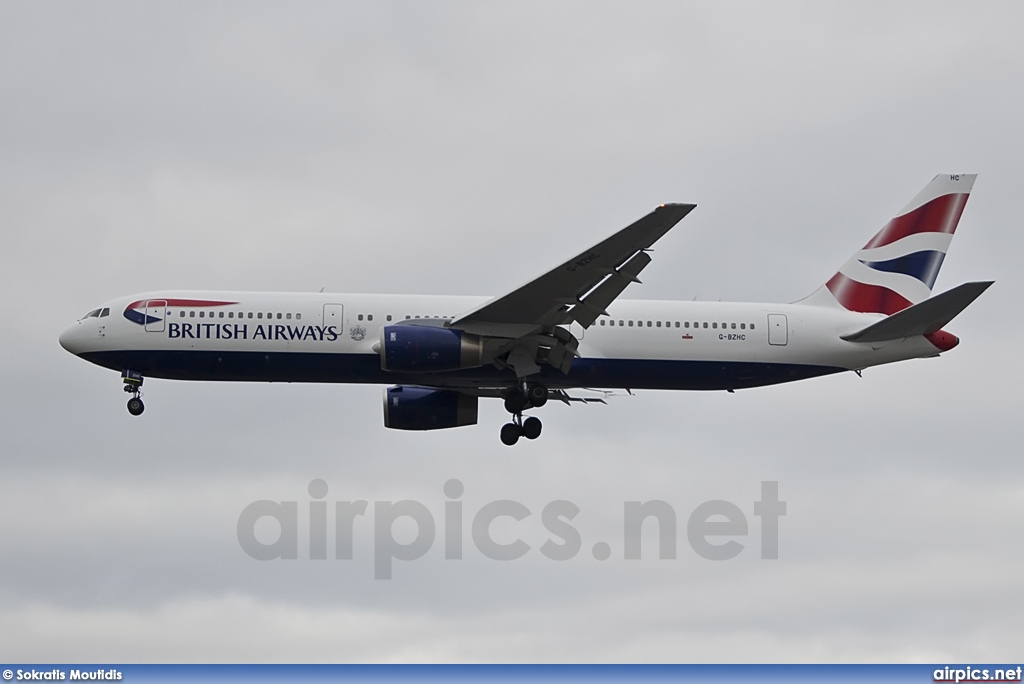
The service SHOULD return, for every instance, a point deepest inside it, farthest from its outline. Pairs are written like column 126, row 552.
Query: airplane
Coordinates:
column 561, row 334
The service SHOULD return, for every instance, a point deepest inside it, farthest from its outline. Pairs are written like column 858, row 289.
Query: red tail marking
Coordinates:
column 857, row 296
column 940, row 215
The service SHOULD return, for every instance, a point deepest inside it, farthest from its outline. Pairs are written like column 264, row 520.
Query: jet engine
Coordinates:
column 420, row 349
column 422, row 408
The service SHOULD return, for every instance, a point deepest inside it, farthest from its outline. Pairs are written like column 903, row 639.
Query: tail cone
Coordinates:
column 943, row 340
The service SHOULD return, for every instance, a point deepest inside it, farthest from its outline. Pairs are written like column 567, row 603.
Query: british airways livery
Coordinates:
column 560, row 336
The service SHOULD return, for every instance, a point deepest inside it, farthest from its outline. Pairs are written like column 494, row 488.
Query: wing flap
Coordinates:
column 594, row 304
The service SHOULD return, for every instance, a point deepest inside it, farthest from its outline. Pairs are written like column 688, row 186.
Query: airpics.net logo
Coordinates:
column 715, row 530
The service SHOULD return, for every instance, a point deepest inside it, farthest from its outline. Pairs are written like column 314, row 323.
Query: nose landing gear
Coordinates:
column 516, row 401
column 132, row 385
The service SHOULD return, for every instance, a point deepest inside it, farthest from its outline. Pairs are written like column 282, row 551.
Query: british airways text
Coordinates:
column 235, row 331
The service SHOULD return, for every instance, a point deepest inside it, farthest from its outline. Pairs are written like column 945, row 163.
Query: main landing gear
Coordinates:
column 516, row 401
column 132, row 385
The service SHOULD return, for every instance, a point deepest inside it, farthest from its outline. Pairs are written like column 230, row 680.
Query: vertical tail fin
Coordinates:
column 897, row 268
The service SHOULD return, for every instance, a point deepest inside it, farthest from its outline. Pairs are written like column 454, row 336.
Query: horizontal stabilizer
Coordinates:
column 924, row 318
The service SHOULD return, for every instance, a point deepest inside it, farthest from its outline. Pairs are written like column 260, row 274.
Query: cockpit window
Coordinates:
column 92, row 314
column 105, row 312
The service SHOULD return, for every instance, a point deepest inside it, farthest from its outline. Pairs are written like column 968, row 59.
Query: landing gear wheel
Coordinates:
column 516, row 402
column 531, row 428
column 537, row 395
column 509, row 434
column 135, row 406
column 133, row 385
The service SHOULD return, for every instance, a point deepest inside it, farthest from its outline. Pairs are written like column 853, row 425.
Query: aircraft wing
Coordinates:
column 579, row 289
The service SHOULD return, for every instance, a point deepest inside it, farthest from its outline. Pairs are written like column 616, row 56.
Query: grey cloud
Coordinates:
column 462, row 149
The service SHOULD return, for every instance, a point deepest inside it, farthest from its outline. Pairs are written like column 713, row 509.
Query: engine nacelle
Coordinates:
column 421, row 349
column 422, row 408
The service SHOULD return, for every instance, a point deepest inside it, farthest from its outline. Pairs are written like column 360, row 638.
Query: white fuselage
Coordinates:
column 323, row 337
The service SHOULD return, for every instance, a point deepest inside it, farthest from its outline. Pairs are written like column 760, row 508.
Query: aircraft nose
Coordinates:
column 71, row 339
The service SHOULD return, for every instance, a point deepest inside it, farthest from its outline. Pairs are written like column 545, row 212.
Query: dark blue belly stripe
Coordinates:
column 365, row 369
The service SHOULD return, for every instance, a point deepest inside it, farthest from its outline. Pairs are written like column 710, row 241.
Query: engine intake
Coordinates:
column 422, row 408
column 420, row 349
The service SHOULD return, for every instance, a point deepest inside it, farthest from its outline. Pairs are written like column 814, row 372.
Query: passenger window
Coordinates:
column 686, row 324
column 250, row 314
column 192, row 313
column 705, row 325
column 649, row 324
column 631, row 324
column 743, row 326
column 202, row 314
column 288, row 317
column 181, row 314
column 601, row 323
column 714, row 325
column 733, row 326
column 659, row 324
column 278, row 316
column 220, row 314
column 359, row 317
column 369, row 317
column 298, row 317
column 259, row 315
column 389, row 317
column 751, row 326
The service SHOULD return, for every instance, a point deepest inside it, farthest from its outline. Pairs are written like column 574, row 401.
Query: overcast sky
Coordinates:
column 462, row 149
